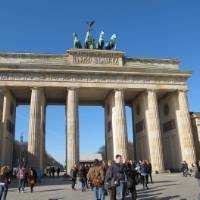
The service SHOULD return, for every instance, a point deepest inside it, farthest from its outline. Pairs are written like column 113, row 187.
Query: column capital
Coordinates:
column 151, row 90
column 119, row 89
column 73, row 88
column 182, row 90
column 37, row 88
column 3, row 90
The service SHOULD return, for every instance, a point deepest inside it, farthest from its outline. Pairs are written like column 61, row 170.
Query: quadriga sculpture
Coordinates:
column 112, row 43
column 77, row 43
column 89, row 41
column 100, row 44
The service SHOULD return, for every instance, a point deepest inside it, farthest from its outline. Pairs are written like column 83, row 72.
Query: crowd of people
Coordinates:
column 116, row 178
column 26, row 177
column 51, row 170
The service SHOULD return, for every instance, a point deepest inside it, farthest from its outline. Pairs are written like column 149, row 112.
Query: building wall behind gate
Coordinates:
column 140, row 135
column 169, row 131
column 195, row 122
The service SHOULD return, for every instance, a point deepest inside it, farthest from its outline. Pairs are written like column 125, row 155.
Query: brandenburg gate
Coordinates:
column 155, row 89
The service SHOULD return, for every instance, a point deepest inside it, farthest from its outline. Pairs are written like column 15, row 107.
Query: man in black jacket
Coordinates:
column 118, row 179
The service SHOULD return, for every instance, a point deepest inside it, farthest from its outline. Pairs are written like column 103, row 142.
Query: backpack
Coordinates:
column 97, row 180
column 21, row 174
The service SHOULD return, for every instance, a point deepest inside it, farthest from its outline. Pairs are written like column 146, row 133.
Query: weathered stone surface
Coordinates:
column 97, row 73
column 72, row 128
column 36, row 141
column 154, row 132
column 185, row 130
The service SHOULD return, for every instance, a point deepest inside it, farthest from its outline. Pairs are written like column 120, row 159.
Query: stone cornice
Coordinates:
column 30, row 55
column 119, row 53
column 94, row 70
column 95, row 78
column 62, row 59
column 153, row 60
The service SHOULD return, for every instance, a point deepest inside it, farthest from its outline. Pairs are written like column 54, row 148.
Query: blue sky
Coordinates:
column 144, row 28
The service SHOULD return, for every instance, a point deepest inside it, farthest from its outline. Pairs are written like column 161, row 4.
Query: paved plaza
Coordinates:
column 165, row 186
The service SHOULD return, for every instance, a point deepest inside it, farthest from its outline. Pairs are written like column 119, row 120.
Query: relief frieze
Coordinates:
column 91, row 78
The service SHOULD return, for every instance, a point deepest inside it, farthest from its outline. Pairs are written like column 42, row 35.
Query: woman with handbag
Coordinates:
column 32, row 178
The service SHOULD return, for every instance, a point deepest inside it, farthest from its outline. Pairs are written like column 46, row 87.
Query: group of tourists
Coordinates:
column 50, row 171
column 117, row 178
column 26, row 178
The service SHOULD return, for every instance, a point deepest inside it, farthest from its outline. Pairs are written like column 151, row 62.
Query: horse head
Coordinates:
column 75, row 35
column 101, row 36
column 113, row 37
column 77, row 43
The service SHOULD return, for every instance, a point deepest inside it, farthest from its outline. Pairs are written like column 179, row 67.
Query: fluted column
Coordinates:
column 2, row 91
column 120, row 139
column 154, row 132
column 185, row 130
column 72, row 128
column 8, row 127
column 36, row 142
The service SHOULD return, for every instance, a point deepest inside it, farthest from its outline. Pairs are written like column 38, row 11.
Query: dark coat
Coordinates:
column 74, row 173
column 131, row 176
column 119, row 171
column 144, row 169
column 83, row 173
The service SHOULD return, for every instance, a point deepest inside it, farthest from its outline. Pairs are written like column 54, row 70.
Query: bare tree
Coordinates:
column 102, row 151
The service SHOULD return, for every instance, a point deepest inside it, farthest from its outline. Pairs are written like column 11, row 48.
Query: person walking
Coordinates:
column 21, row 178
column 96, row 177
column 144, row 174
column 82, row 177
column 108, row 178
column 185, row 169
column 118, row 179
column 32, row 178
column 131, row 181
column 5, row 180
column 58, row 171
column 149, row 166
column 53, row 171
column 73, row 173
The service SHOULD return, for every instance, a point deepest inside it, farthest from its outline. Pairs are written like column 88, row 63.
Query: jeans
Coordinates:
column 3, row 191
column 73, row 182
column 144, row 181
column 98, row 193
column 21, row 185
column 83, row 184
column 199, row 188
column 121, row 190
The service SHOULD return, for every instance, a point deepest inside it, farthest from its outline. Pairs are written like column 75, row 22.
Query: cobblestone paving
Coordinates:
column 165, row 187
